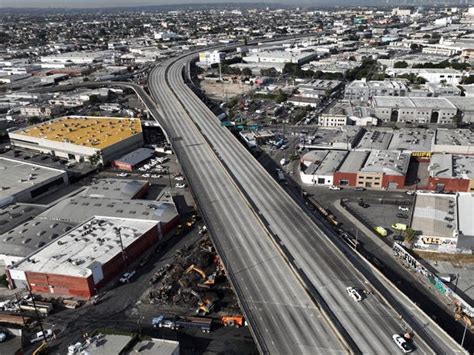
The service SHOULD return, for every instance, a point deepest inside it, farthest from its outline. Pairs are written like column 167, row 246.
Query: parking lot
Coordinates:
column 382, row 215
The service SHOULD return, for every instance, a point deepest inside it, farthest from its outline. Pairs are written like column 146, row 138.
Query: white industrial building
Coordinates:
column 81, row 138
column 435, row 75
column 279, row 57
column 318, row 166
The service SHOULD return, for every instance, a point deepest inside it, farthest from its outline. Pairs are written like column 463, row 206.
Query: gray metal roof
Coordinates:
column 15, row 214
column 18, row 176
column 136, row 157
column 375, row 139
column 412, row 139
column 389, row 162
column 80, row 208
column 31, row 235
column 124, row 189
column 354, row 162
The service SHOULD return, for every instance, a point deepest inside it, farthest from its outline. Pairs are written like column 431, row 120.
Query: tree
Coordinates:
column 468, row 79
column 33, row 120
column 95, row 159
column 281, row 97
column 247, row 72
column 270, row 72
column 400, row 64
column 410, row 235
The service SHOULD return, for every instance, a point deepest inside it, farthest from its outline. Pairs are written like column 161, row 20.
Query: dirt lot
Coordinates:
column 219, row 90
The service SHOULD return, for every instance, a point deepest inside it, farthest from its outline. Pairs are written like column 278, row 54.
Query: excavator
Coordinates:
column 233, row 321
column 205, row 305
column 209, row 280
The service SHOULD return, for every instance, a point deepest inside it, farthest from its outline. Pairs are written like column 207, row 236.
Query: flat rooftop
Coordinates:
column 389, row 162
column 330, row 138
column 75, row 252
column 465, row 211
column 77, row 209
column 354, row 162
column 377, row 84
column 412, row 140
column 15, row 214
column 123, row 189
column 155, row 347
column 431, row 211
column 331, row 162
column 452, row 166
column 17, row 176
column 462, row 137
column 92, row 132
column 375, row 139
column 136, row 157
column 31, row 235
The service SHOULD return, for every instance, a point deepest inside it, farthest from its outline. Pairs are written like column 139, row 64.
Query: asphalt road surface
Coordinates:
column 371, row 323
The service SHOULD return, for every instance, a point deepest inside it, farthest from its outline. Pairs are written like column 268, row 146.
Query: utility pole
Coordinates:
column 464, row 335
column 38, row 318
column 119, row 235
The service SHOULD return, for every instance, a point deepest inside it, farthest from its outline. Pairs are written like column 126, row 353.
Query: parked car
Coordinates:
column 179, row 178
column 334, row 188
column 398, row 238
column 363, row 204
column 48, row 333
column 402, row 215
column 359, row 188
column 3, row 336
column 180, row 186
column 399, row 226
column 123, row 174
column 404, row 209
column 410, row 192
column 126, row 277
column 381, row 231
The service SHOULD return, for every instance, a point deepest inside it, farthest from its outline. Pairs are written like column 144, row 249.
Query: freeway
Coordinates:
column 325, row 267
column 283, row 317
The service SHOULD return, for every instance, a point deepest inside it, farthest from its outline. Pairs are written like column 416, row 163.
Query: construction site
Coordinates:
column 194, row 284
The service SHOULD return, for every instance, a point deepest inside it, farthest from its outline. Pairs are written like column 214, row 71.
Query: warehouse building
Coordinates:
column 77, row 209
column 362, row 90
column 455, row 141
column 444, row 222
column 24, row 182
column 123, row 189
column 340, row 138
column 318, row 166
column 412, row 140
column 83, row 260
column 132, row 160
column 414, row 109
column 384, row 169
column 82, row 138
column 28, row 237
column 433, row 75
column 448, row 172
column 346, row 175
column 374, row 139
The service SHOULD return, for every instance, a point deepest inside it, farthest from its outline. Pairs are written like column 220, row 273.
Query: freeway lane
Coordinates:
column 284, row 318
column 370, row 323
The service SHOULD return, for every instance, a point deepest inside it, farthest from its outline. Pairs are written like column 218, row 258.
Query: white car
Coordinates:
column 410, row 192
column 126, row 277
column 355, row 295
column 404, row 209
column 48, row 333
column 156, row 176
column 180, row 186
column 179, row 178
column 334, row 188
column 3, row 337
column 122, row 174
column 146, row 175
column 402, row 343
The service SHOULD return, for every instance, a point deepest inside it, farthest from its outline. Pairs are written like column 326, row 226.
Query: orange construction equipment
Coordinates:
column 196, row 269
column 233, row 321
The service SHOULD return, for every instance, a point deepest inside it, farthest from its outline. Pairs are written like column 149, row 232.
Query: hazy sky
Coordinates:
column 110, row 3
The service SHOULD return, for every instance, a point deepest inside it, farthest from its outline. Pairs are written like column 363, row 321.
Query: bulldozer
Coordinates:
column 233, row 321
column 210, row 280
column 205, row 305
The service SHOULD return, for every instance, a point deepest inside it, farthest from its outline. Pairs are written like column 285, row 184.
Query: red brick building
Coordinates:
column 86, row 258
